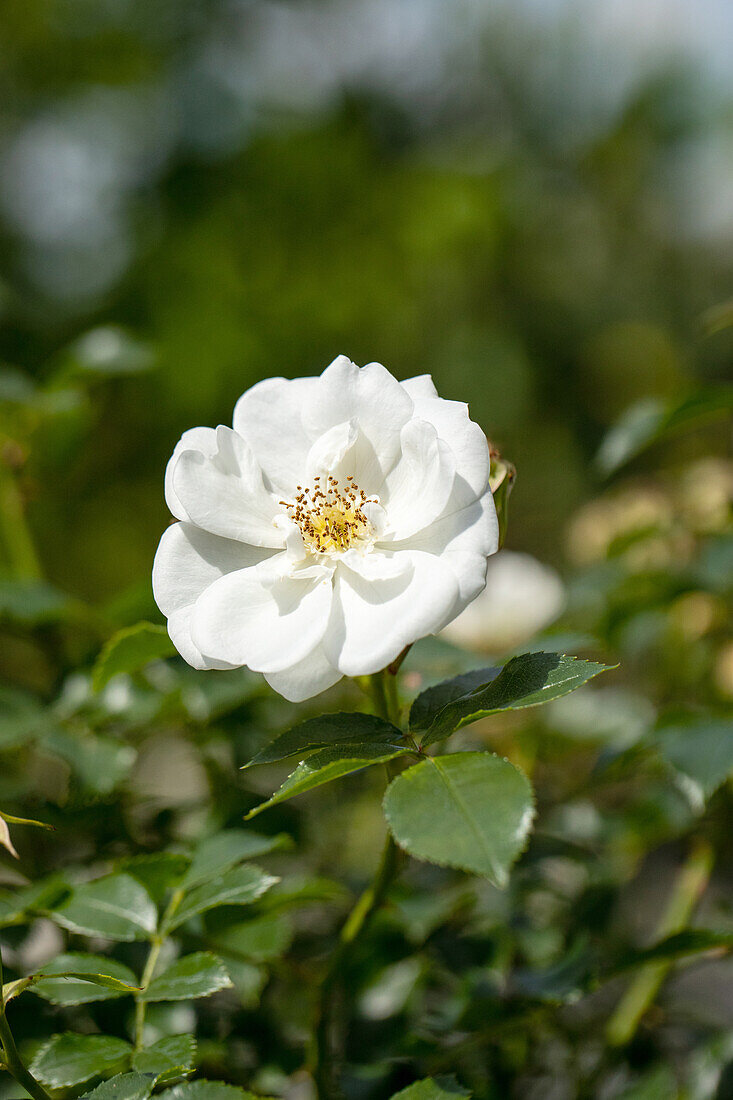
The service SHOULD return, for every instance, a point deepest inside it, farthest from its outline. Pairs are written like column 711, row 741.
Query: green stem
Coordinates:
column 13, row 1062
column 21, row 555
column 386, row 704
column 156, row 944
column 640, row 994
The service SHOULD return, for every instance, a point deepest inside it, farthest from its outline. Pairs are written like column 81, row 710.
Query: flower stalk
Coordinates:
column 156, row 943
column 13, row 1062
column 386, row 703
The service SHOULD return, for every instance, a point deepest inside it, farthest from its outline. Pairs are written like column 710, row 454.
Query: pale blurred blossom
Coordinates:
column 522, row 596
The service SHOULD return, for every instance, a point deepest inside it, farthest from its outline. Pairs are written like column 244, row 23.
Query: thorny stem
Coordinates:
column 13, row 1062
column 688, row 887
column 386, row 704
column 156, row 944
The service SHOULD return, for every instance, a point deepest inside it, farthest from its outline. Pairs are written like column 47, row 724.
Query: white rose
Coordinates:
column 342, row 518
column 521, row 597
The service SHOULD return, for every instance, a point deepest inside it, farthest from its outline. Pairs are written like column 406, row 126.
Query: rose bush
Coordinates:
column 340, row 519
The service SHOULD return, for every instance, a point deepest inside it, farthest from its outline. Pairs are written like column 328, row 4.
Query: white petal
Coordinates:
column 307, row 678
column 377, row 565
column 463, row 539
column 466, row 440
column 372, row 621
column 224, row 493
column 188, row 560
column 195, row 439
column 260, row 618
column 421, row 385
column 329, row 449
column 269, row 417
column 179, row 630
column 418, row 488
column 372, row 397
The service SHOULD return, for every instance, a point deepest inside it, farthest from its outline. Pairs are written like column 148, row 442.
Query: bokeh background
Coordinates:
column 531, row 200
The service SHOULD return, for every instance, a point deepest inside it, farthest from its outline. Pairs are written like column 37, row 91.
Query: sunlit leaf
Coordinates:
column 218, row 853
column 525, row 681
column 196, row 975
column 470, row 810
column 210, row 1090
column 429, row 703
column 71, row 1059
column 124, row 1086
column 325, row 731
column 238, row 886
column 117, row 907
column 106, row 979
column 653, row 419
column 325, row 765
column 129, row 650
column 171, row 1057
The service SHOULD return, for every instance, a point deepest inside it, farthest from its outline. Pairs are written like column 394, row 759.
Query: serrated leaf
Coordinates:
column 257, row 940
column 525, row 681
column 325, row 765
column 172, row 1056
column 66, row 982
column 428, row 703
column 238, row 886
column 218, row 853
column 438, row 1088
column 129, row 650
column 701, row 749
column 652, row 419
column 327, row 730
column 470, row 810
column 196, row 975
column 210, row 1090
column 123, row 1086
column 116, row 907
column 71, row 1059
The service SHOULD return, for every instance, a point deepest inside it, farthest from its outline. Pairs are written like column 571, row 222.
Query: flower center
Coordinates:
column 331, row 516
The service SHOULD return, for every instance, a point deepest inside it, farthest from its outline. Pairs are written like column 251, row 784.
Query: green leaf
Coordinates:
column 129, row 650
column 259, row 939
column 324, row 765
column 100, row 762
column 238, row 886
column 117, row 907
column 172, row 1056
column 158, row 872
column 702, row 749
column 35, row 603
column 124, row 1086
column 71, row 1059
column 209, row 1090
column 428, row 703
column 106, row 979
column 327, row 730
column 438, row 1088
column 196, row 975
column 692, row 941
column 169, row 1058
column 525, row 681
column 218, row 853
column 652, row 420
column 471, row 810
